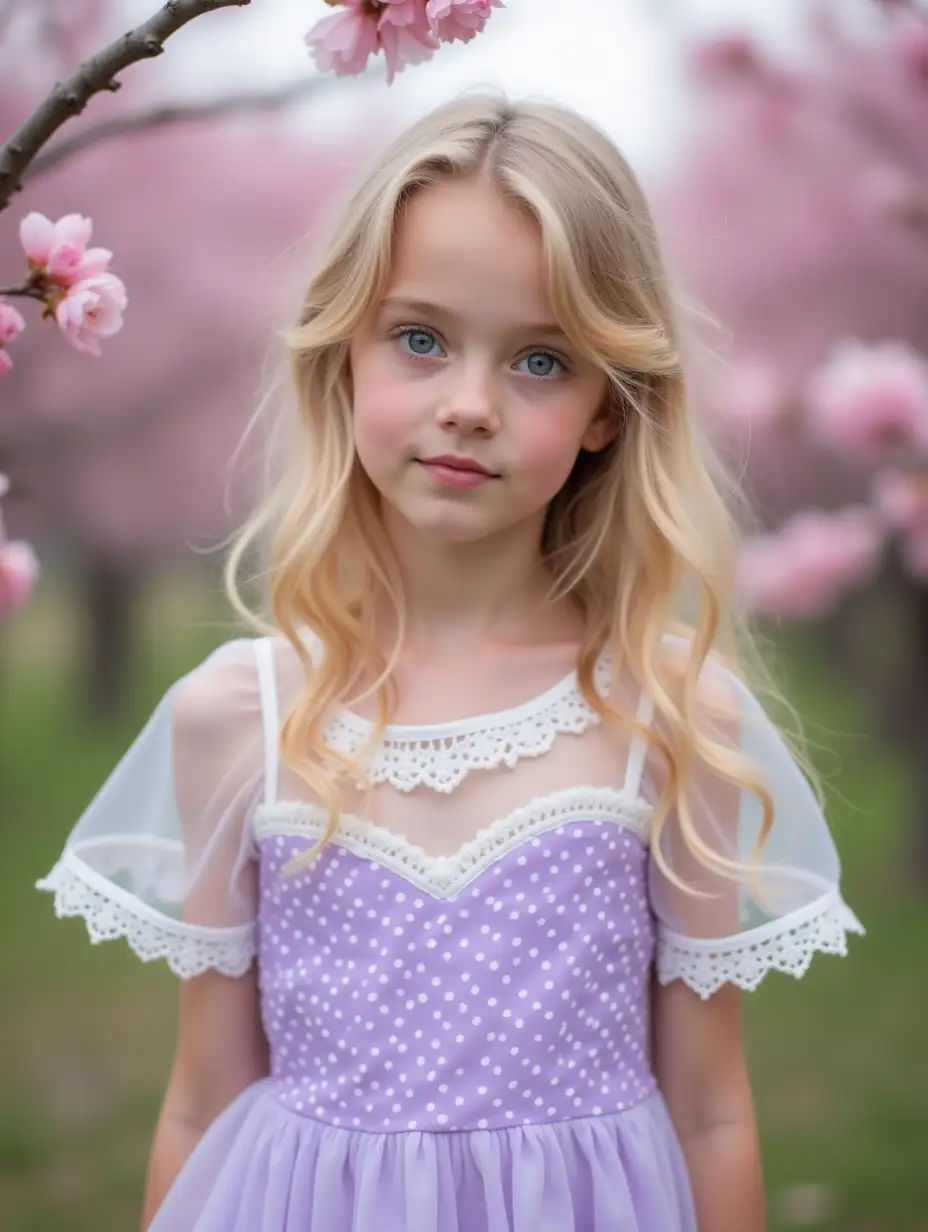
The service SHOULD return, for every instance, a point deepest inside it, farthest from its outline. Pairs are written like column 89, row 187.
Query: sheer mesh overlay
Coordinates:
column 167, row 854
column 163, row 854
column 786, row 904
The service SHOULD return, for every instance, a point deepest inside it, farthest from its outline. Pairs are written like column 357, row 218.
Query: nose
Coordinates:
column 470, row 403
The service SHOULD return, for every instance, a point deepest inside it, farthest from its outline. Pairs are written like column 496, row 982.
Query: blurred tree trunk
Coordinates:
column 879, row 644
column 915, row 700
column 110, row 593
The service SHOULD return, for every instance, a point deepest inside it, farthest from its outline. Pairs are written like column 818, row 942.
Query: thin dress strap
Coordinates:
column 270, row 716
column 639, row 747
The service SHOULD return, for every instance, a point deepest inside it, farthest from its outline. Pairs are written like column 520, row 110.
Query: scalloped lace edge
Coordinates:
column 444, row 762
column 188, row 949
column 443, row 876
column 744, row 961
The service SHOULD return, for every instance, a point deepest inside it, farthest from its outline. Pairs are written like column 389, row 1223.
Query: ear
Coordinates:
column 601, row 431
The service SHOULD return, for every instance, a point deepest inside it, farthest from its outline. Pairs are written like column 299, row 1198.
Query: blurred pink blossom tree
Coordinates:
column 799, row 216
column 126, row 462
column 123, row 464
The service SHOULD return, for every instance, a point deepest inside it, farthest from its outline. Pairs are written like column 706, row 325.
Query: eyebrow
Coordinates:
column 429, row 309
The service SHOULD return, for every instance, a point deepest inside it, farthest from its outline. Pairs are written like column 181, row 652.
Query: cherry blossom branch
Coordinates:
column 24, row 290
column 95, row 76
column 157, row 117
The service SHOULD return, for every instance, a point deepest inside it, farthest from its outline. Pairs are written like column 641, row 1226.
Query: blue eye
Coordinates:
column 542, row 364
column 418, row 341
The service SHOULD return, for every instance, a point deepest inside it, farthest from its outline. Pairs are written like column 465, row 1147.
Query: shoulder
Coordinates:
column 713, row 708
column 768, row 745
column 719, row 688
column 225, row 690
column 225, row 678
column 217, row 723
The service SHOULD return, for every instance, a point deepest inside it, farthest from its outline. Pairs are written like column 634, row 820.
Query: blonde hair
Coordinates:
column 634, row 529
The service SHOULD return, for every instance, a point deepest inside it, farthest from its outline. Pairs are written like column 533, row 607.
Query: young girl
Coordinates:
column 465, row 859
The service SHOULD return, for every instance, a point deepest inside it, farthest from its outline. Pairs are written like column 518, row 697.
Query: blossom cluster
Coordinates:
column 73, row 282
column 406, row 31
column 868, row 403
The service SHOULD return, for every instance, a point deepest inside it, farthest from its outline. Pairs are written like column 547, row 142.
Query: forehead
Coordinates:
column 463, row 245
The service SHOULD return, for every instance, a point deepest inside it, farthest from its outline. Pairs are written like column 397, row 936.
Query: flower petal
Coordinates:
column 37, row 235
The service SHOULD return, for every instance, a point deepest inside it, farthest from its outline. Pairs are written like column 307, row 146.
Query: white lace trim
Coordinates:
column 788, row 945
column 445, row 876
column 154, row 866
column 110, row 912
column 441, row 755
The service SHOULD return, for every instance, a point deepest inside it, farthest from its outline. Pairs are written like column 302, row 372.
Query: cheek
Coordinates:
column 549, row 448
column 381, row 403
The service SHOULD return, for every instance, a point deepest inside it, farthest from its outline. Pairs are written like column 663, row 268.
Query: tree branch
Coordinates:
column 70, row 97
column 157, row 117
column 29, row 292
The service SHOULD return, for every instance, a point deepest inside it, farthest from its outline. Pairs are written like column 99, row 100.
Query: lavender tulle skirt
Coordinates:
column 263, row 1168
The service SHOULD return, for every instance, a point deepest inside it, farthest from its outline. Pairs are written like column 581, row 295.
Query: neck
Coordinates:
column 461, row 594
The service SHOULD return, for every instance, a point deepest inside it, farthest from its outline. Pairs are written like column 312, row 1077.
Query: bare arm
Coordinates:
column 700, row 1065
column 221, row 1050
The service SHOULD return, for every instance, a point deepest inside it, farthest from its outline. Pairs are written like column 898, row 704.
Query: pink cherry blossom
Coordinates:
column 804, row 570
column 344, row 42
column 459, row 20
column 11, row 323
column 405, row 36
column 755, row 394
column 867, row 399
column 19, row 566
column 402, row 13
column 40, row 236
column 406, row 31
column 92, row 310
column 57, row 247
column 19, row 569
column 11, row 326
column 94, row 261
column 93, row 300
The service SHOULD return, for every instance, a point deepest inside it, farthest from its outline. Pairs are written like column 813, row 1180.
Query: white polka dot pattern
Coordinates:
column 518, row 1001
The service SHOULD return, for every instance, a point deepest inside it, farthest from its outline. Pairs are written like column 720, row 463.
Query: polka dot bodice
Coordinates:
column 518, row 998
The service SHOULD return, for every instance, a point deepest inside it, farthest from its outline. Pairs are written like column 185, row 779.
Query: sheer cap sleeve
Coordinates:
column 163, row 855
column 786, row 905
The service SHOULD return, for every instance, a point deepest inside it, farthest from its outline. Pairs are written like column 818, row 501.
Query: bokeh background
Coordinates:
column 785, row 147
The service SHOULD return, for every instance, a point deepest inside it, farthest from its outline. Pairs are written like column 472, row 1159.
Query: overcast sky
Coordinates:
column 611, row 59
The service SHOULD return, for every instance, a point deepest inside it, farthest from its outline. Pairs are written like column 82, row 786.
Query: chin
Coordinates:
column 447, row 524
column 452, row 530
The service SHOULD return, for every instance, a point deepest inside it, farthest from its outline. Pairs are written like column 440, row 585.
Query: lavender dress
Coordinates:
column 459, row 1039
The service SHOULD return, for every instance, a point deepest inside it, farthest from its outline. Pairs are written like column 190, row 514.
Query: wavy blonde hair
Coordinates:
column 637, row 534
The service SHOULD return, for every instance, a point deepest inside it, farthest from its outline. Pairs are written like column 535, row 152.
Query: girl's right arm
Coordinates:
column 164, row 856
column 221, row 1049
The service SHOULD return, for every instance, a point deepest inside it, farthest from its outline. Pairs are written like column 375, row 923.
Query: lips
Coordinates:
column 465, row 466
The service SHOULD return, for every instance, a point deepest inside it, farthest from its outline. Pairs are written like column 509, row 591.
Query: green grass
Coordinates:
column 839, row 1059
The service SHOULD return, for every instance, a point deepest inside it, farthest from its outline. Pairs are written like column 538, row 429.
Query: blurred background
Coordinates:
column 785, row 148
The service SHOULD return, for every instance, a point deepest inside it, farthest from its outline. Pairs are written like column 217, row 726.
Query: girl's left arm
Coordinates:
column 700, row 1065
